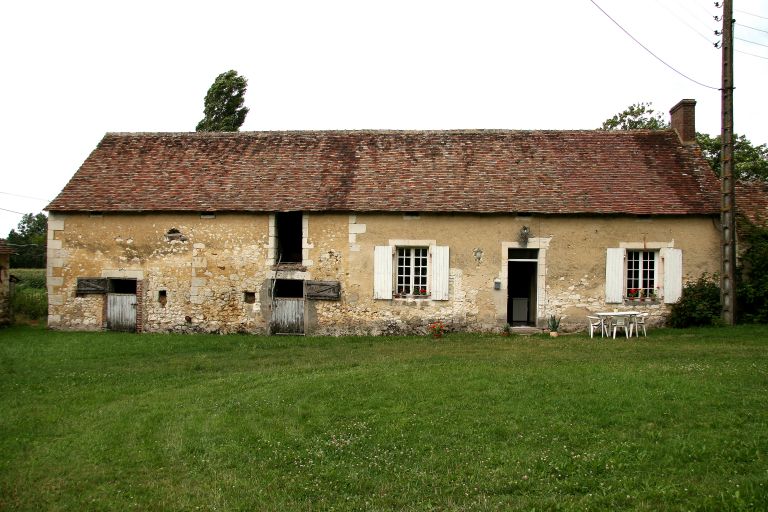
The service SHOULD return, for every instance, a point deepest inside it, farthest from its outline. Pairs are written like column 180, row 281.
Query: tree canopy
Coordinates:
column 639, row 116
column 29, row 242
column 224, row 104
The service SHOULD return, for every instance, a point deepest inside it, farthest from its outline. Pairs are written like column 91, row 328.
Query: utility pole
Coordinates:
column 728, row 205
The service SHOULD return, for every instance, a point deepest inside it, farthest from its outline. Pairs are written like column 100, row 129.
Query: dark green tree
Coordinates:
column 750, row 162
column 29, row 242
column 639, row 116
column 224, row 104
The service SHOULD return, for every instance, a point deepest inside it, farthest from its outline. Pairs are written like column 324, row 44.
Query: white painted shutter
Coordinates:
column 382, row 272
column 440, row 272
column 673, row 274
column 614, row 275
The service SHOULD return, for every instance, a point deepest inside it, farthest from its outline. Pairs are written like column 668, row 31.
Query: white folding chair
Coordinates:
column 621, row 322
column 640, row 322
column 596, row 323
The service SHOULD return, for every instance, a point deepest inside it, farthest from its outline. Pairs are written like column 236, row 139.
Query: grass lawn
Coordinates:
column 109, row 421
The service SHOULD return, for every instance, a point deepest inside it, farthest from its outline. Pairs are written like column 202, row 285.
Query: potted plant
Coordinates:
column 553, row 323
column 437, row 329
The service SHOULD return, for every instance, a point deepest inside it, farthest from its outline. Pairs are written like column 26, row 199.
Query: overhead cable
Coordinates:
column 649, row 51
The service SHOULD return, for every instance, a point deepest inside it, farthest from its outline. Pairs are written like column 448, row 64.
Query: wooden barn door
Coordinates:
column 287, row 316
column 121, row 312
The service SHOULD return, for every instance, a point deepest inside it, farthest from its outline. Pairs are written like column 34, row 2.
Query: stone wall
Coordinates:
column 200, row 274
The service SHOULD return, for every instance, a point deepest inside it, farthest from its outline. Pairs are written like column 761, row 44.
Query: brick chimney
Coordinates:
column 684, row 120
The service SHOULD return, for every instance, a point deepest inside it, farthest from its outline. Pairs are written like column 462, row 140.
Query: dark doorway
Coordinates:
column 288, row 226
column 522, row 267
column 121, row 305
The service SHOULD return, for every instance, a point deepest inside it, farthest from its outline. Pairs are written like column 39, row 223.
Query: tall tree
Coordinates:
column 750, row 162
column 29, row 242
column 639, row 116
column 224, row 110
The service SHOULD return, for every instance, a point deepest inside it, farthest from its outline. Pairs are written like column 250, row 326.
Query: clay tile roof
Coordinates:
column 487, row 171
column 752, row 201
column 4, row 248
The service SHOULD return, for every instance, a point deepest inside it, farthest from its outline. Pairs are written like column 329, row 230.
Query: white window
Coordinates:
column 412, row 271
column 405, row 271
column 640, row 273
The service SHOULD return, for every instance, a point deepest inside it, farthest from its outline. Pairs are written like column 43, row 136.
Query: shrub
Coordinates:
column 699, row 304
column 29, row 277
column 30, row 303
column 752, row 278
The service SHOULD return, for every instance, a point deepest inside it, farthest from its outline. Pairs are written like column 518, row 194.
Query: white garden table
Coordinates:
column 607, row 315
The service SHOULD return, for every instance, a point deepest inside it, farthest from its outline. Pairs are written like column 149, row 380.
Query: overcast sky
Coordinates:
column 74, row 70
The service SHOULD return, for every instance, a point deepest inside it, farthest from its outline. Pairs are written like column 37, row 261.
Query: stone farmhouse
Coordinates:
column 380, row 232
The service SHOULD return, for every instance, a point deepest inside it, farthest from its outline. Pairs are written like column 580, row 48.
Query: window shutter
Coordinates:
column 87, row 285
column 440, row 272
column 322, row 290
column 614, row 276
column 382, row 272
column 673, row 274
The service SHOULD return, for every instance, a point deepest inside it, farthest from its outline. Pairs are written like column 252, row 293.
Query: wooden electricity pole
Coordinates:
column 728, row 206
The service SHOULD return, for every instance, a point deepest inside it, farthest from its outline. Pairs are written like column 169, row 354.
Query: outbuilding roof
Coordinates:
column 752, row 201
column 485, row 171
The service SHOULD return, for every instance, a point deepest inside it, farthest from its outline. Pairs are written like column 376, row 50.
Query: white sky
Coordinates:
column 74, row 70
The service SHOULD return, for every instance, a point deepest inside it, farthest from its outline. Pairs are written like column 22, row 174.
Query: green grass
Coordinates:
column 109, row 421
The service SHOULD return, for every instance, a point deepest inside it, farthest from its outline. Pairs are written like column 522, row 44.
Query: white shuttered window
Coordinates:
column 411, row 272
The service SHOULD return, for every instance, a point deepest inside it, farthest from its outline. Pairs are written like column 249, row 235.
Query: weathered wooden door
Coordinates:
column 121, row 312
column 287, row 316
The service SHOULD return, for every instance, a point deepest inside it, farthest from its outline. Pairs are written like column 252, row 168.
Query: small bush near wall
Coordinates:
column 699, row 305
column 29, row 299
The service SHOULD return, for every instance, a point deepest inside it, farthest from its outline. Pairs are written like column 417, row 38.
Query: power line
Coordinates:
column 12, row 211
column 751, row 42
column 751, row 54
column 649, row 51
column 683, row 21
column 24, row 197
column 752, row 28
column 750, row 14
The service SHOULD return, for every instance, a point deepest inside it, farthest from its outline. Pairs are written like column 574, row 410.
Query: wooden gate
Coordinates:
column 287, row 316
column 121, row 312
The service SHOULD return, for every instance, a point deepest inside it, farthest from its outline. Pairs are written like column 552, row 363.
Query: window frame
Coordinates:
column 641, row 275
column 414, row 253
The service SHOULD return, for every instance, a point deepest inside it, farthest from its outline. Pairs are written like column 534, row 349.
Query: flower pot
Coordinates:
column 553, row 334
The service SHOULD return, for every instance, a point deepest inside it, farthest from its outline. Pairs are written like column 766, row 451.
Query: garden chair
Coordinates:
column 640, row 322
column 596, row 323
column 621, row 322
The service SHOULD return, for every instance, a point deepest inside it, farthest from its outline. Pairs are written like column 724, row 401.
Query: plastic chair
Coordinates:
column 621, row 322
column 640, row 322
column 596, row 323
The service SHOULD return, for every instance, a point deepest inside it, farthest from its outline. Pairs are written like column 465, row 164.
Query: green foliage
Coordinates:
column 752, row 288
column 30, row 277
column 29, row 242
column 553, row 323
column 699, row 304
column 115, row 421
column 750, row 162
column 224, row 110
column 28, row 302
column 639, row 116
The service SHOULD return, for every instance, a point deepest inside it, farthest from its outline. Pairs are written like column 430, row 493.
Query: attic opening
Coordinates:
column 289, row 230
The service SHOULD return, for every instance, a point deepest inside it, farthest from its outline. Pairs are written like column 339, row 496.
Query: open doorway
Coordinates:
column 521, row 287
column 289, row 234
